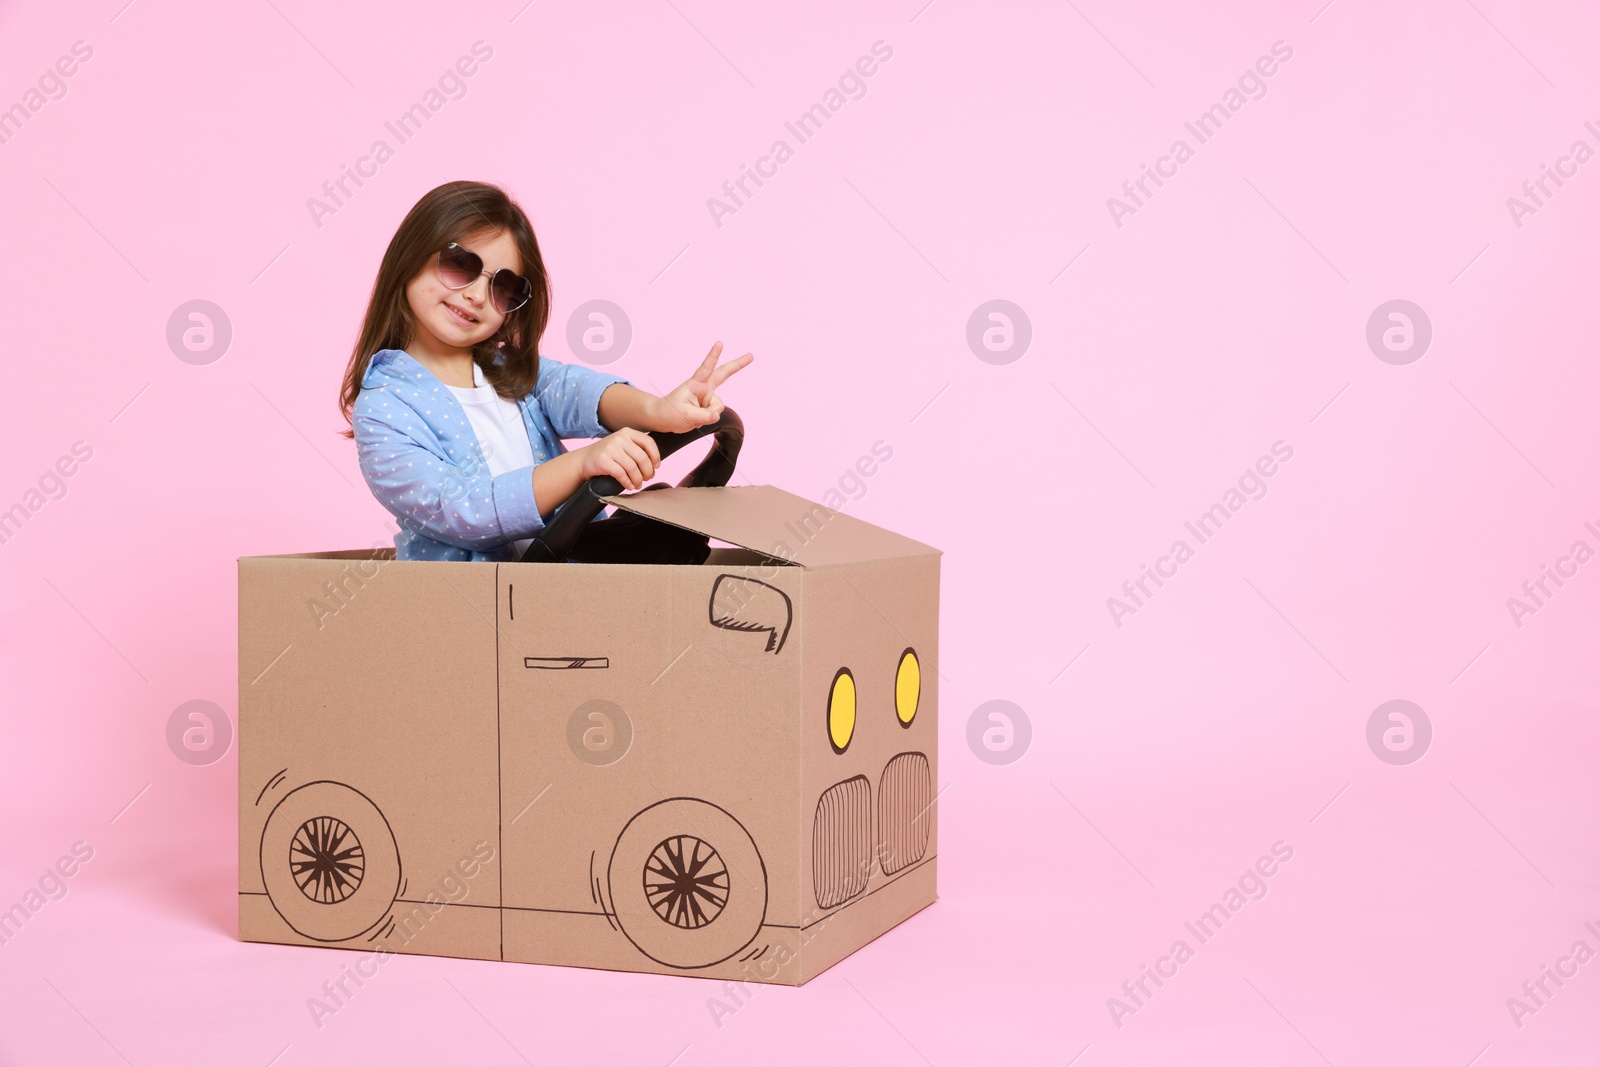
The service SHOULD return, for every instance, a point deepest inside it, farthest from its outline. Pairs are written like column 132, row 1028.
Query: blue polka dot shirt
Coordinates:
column 422, row 460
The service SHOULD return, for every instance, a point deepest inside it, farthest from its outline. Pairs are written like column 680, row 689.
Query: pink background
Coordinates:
column 1228, row 313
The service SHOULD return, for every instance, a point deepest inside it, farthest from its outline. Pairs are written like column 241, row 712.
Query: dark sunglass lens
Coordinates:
column 458, row 267
column 511, row 291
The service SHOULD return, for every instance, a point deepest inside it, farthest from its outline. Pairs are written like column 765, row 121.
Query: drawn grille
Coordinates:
column 905, row 815
column 841, row 842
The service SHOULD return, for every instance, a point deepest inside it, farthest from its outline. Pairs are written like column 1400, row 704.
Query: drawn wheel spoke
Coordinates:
column 326, row 860
column 686, row 882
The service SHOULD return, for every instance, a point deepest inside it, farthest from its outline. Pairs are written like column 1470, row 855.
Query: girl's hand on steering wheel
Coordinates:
column 630, row 456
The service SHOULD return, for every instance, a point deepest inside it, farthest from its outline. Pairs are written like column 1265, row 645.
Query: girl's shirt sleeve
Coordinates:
column 569, row 393
column 461, row 505
column 424, row 465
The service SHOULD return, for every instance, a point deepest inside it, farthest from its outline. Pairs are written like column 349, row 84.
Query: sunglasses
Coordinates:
column 460, row 267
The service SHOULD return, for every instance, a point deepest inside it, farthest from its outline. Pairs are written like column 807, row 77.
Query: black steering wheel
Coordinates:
column 556, row 542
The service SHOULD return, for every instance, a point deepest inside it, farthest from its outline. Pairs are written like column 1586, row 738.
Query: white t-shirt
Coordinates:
column 501, row 432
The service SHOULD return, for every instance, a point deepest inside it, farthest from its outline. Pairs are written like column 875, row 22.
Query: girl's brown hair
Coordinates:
column 451, row 212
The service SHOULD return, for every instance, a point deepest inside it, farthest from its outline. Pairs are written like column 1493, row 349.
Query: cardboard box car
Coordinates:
column 725, row 770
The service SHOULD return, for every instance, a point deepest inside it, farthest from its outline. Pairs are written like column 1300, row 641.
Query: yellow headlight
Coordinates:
column 907, row 687
column 841, row 710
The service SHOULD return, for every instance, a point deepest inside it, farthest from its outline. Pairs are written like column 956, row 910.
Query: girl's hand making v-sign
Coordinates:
column 695, row 402
column 629, row 454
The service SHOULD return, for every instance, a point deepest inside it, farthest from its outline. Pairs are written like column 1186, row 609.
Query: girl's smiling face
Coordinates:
column 452, row 321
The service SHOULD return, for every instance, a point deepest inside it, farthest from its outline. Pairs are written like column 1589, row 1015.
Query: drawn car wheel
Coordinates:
column 687, row 883
column 329, row 862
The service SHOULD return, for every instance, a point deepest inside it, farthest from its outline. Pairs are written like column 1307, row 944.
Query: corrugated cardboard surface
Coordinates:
column 714, row 729
column 610, row 766
column 868, row 814
column 769, row 520
column 392, row 697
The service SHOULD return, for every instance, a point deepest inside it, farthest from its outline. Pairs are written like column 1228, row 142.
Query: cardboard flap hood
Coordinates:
column 766, row 519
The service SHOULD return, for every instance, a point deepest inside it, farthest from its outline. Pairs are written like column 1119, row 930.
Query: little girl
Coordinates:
column 457, row 418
